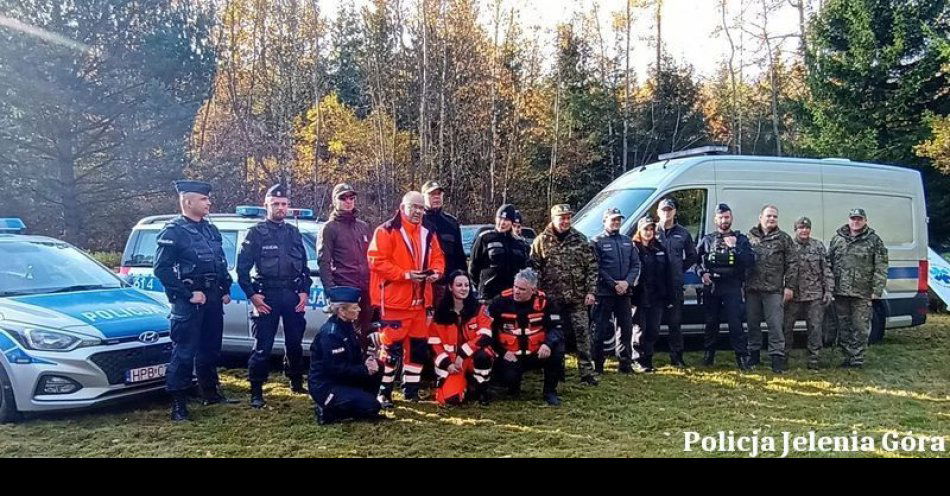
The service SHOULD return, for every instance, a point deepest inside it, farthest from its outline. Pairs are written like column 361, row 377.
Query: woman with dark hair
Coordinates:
column 460, row 335
column 651, row 295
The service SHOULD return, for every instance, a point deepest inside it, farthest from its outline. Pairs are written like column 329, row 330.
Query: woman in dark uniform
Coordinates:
column 652, row 293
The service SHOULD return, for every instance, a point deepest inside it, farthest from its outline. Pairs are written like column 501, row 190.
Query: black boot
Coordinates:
column 709, row 358
column 676, row 359
column 411, row 394
column 551, row 399
column 755, row 358
column 599, row 368
column 648, row 363
column 296, row 385
column 213, row 396
column 323, row 417
column 179, row 407
column 257, row 395
column 742, row 361
column 625, row 367
column 777, row 364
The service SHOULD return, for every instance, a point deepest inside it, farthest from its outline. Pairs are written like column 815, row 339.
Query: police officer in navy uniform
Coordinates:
column 280, row 291
column 724, row 258
column 497, row 255
column 343, row 384
column 191, row 265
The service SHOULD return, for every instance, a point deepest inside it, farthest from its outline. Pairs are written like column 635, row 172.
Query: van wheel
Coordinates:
column 878, row 320
column 8, row 411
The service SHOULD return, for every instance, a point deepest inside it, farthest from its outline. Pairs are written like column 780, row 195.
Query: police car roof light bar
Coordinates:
column 11, row 225
column 301, row 213
column 695, row 152
column 250, row 211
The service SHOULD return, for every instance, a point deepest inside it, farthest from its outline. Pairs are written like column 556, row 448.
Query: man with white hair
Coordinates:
column 405, row 259
column 190, row 264
column 526, row 327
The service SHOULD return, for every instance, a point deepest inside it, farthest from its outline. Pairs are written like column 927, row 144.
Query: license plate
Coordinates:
column 142, row 374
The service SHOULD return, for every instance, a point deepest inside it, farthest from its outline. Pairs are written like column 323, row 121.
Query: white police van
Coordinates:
column 825, row 190
column 72, row 333
column 139, row 255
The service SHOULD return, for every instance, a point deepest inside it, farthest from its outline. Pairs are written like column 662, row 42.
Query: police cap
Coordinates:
column 803, row 222
column 561, row 209
column 506, row 211
column 612, row 212
column 517, row 217
column 343, row 294
column 277, row 191
column 189, row 186
column 722, row 208
column 668, row 203
column 645, row 221
column 858, row 212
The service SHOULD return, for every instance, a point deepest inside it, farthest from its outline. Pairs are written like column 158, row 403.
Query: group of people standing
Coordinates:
column 404, row 297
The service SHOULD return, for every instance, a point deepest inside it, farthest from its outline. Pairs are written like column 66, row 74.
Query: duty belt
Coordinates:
column 277, row 283
column 201, row 282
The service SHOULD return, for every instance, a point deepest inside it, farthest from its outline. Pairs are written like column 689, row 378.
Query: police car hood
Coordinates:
column 110, row 313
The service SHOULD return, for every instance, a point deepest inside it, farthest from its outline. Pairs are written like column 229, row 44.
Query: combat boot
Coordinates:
column 257, row 395
column 590, row 380
column 552, row 399
column 296, row 385
column 599, row 368
column 322, row 416
column 179, row 411
column 777, row 364
column 649, row 364
column 676, row 359
column 213, row 396
column 709, row 358
column 755, row 358
column 624, row 367
column 742, row 362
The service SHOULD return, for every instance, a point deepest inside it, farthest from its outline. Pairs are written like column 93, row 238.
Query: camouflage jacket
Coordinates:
column 776, row 261
column 567, row 268
column 859, row 263
column 814, row 273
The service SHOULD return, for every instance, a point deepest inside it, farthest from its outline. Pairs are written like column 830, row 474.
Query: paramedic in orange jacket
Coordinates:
column 461, row 338
column 527, row 332
column 405, row 259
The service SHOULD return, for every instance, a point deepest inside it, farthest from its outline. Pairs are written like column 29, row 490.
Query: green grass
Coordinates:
column 905, row 386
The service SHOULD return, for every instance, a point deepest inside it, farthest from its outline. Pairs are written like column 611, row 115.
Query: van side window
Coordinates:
column 691, row 211
column 140, row 250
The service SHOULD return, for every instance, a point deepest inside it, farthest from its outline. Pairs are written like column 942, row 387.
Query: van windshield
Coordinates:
column 590, row 220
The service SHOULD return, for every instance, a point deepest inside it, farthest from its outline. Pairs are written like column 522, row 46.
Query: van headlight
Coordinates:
column 40, row 339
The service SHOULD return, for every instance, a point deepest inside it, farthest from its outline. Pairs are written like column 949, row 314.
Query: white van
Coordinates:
column 139, row 255
column 824, row 190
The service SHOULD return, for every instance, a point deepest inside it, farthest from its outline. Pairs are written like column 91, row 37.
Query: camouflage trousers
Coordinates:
column 577, row 323
column 854, row 323
column 814, row 312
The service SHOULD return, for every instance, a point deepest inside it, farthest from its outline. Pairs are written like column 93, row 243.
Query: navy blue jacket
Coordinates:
column 681, row 251
column 726, row 276
column 335, row 359
column 187, row 251
column 617, row 260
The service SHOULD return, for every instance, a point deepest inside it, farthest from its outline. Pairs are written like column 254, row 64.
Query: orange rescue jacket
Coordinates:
column 398, row 247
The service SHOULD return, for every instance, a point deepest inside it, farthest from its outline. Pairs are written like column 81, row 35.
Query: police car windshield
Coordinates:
column 590, row 220
column 36, row 267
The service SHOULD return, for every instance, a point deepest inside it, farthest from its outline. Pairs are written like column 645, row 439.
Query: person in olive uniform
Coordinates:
column 497, row 255
column 190, row 264
column 279, row 292
column 342, row 381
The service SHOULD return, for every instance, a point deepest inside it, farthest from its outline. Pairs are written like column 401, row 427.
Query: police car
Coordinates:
column 139, row 255
column 72, row 333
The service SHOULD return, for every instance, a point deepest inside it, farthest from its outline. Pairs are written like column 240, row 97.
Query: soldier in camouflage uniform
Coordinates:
column 568, row 268
column 858, row 260
column 813, row 291
column 769, row 286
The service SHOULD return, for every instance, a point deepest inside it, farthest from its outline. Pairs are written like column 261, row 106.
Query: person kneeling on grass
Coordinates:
column 342, row 383
column 461, row 338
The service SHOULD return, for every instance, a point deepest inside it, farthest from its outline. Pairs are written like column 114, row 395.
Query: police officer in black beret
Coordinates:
column 279, row 291
column 497, row 255
column 724, row 258
column 343, row 383
column 191, row 265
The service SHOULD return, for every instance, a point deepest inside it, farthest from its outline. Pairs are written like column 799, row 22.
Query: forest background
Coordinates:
column 104, row 102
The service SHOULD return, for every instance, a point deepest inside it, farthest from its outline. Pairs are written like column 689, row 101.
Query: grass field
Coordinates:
column 905, row 387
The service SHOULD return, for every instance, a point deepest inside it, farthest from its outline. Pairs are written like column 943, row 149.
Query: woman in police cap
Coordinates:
column 652, row 293
column 342, row 381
